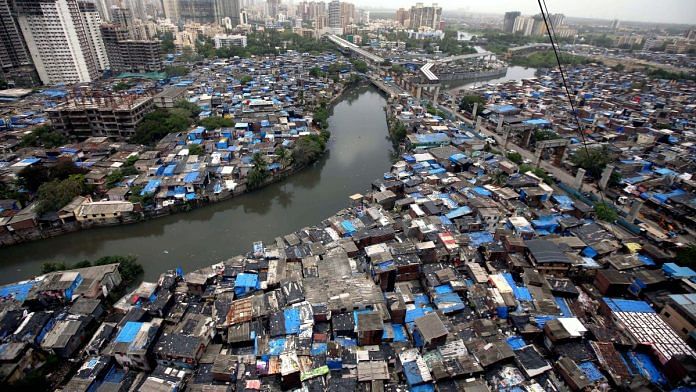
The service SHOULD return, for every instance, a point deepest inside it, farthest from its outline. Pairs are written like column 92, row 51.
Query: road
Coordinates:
column 558, row 172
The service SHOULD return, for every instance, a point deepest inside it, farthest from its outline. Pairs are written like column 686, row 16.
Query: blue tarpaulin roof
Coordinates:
column 591, row 371
column 246, row 280
column 678, row 271
column 292, row 320
column 458, row 212
column 128, row 332
column 516, row 342
column 150, row 188
column 478, row 238
column 626, row 305
column 18, row 291
column 190, row 177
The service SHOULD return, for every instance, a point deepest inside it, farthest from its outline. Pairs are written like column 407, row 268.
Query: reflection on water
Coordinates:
column 358, row 154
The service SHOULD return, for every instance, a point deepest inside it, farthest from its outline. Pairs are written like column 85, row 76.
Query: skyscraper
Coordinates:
column 334, row 15
column 273, row 7
column 92, row 20
column 58, row 39
column 401, row 16
column 171, row 10
column 557, row 20
column 15, row 60
column 228, row 9
column 422, row 16
column 509, row 21
column 198, row 11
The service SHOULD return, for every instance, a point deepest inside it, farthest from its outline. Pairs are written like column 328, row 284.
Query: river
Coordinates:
column 513, row 73
column 359, row 152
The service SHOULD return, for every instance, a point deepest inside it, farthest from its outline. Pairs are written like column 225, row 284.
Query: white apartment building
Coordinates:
column 93, row 20
column 226, row 40
column 59, row 41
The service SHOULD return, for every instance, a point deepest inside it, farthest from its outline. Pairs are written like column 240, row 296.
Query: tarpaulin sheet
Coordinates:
column 128, row 332
column 646, row 367
column 565, row 310
column 516, row 342
column 479, row 238
column 292, row 320
column 625, row 305
column 448, row 302
column 276, row 346
column 593, row 374
column 456, row 213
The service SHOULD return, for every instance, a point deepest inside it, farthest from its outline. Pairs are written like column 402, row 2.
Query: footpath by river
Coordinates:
column 358, row 153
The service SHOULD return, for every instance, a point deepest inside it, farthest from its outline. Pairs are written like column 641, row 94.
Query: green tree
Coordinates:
column 195, row 149
column 167, row 42
column 686, row 256
column 605, row 212
column 193, row 109
column 52, row 267
column 176, row 70
column 360, row 66
column 81, row 264
column 468, row 101
column 216, row 122
column 545, row 134
column 258, row 173
column 113, row 178
column 283, row 156
column 43, row 136
column 159, row 123
column 31, row 177
column 244, row 79
column 308, row 149
column 121, row 86
column 593, row 160
column 128, row 267
column 55, row 194
column 316, row 72
column 515, row 157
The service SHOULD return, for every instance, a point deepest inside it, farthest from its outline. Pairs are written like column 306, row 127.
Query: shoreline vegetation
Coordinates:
column 308, row 150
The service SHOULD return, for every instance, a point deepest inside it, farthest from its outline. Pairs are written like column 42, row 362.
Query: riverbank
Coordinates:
column 357, row 152
column 139, row 215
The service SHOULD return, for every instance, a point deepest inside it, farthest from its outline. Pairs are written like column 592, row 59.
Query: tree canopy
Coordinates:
column 43, row 136
column 593, row 160
column 55, row 194
column 215, row 122
column 468, row 101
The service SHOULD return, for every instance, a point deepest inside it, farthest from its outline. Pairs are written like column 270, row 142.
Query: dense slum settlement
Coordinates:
column 437, row 278
column 643, row 129
column 264, row 101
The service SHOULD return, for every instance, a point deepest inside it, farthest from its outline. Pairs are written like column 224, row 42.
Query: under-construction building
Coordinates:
column 130, row 55
column 112, row 116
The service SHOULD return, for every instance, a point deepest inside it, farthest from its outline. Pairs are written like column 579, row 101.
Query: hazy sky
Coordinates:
column 665, row 11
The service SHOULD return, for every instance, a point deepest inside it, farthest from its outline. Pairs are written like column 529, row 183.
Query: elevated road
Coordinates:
column 355, row 49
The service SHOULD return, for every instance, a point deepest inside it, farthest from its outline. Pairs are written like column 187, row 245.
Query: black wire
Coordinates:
column 551, row 33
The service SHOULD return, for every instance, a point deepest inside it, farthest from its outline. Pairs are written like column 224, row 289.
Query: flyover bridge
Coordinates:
column 343, row 44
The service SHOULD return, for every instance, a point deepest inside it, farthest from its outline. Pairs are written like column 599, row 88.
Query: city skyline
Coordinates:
column 670, row 11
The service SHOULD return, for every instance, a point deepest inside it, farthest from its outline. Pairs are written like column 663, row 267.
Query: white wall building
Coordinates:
column 59, row 41
column 93, row 20
column 226, row 40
